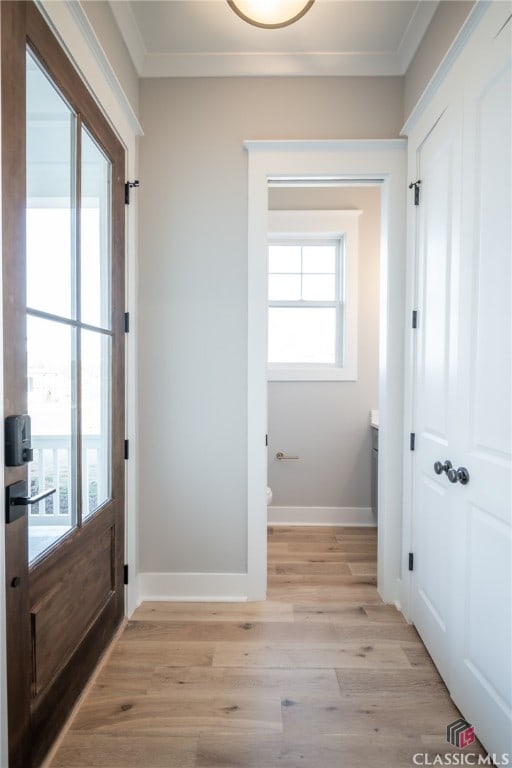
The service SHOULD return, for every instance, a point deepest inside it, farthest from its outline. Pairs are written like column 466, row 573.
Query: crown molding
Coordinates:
column 415, row 31
column 273, row 64
column 125, row 20
column 298, row 64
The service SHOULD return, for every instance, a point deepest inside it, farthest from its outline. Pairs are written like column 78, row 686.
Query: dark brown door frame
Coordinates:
column 32, row 728
column 13, row 36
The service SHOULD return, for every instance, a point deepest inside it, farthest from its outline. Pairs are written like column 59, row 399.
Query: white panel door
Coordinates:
column 438, row 222
column 482, row 621
column 462, row 531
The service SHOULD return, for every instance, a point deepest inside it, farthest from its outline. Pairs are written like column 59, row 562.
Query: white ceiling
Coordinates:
column 204, row 38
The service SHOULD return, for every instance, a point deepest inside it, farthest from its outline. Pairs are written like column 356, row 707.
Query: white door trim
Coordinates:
column 384, row 161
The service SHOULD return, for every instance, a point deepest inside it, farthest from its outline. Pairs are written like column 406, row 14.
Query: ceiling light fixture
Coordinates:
column 270, row 14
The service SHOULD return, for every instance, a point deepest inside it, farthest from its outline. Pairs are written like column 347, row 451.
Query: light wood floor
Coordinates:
column 322, row 675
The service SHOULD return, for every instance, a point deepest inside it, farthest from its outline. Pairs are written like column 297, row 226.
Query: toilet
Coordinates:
column 269, row 496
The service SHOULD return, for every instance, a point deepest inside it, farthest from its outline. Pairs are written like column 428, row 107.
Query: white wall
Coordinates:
column 327, row 423
column 193, row 294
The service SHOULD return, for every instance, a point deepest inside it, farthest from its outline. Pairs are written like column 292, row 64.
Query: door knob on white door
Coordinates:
column 439, row 467
column 452, row 475
column 463, row 475
column 460, row 475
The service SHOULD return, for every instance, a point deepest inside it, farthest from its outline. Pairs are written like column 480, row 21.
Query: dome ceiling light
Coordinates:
column 270, row 14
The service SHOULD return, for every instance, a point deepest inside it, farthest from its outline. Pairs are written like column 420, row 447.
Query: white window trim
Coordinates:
column 328, row 224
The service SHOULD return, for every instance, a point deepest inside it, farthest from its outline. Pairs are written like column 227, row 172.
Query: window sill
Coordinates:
column 313, row 373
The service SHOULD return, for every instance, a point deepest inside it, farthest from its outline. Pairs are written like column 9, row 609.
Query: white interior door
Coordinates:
column 482, row 619
column 462, row 526
column 438, row 220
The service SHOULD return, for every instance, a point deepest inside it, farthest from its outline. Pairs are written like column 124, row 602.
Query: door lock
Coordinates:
column 18, row 440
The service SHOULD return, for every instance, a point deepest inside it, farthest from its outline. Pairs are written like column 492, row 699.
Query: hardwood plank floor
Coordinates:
column 321, row 675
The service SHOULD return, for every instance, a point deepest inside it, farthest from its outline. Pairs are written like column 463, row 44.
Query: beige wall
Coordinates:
column 193, row 293
column 443, row 28
column 107, row 31
column 327, row 423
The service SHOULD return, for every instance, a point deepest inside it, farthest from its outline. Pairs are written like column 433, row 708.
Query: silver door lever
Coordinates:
column 280, row 455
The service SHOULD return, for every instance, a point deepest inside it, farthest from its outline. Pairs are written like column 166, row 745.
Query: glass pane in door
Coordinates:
column 51, row 208
column 95, row 235
column 68, row 287
column 96, row 420
column 51, row 404
column 51, row 291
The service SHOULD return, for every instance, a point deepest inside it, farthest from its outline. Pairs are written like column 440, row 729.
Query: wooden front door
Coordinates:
column 63, row 291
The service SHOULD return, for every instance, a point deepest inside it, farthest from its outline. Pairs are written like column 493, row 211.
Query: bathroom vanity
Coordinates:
column 374, row 426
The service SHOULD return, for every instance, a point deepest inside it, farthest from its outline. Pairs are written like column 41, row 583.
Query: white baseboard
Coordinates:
column 193, row 587
column 350, row 516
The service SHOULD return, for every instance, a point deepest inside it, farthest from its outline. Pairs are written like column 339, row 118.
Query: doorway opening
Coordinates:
column 323, row 313
column 380, row 163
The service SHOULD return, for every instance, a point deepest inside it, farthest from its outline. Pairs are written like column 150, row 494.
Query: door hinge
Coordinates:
column 415, row 318
column 412, row 441
column 127, row 322
column 126, row 449
column 411, row 561
column 129, row 185
column 416, row 186
column 125, row 573
column 266, row 440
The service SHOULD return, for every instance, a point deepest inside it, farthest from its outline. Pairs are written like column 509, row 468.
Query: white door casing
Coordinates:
column 381, row 162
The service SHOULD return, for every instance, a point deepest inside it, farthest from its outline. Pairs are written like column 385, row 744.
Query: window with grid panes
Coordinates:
column 305, row 303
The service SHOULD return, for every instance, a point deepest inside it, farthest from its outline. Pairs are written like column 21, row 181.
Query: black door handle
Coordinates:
column 22, row 501
column 17, row 498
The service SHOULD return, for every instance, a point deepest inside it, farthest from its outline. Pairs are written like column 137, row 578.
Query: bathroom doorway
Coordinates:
column 381, row 164
column 323, row 364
